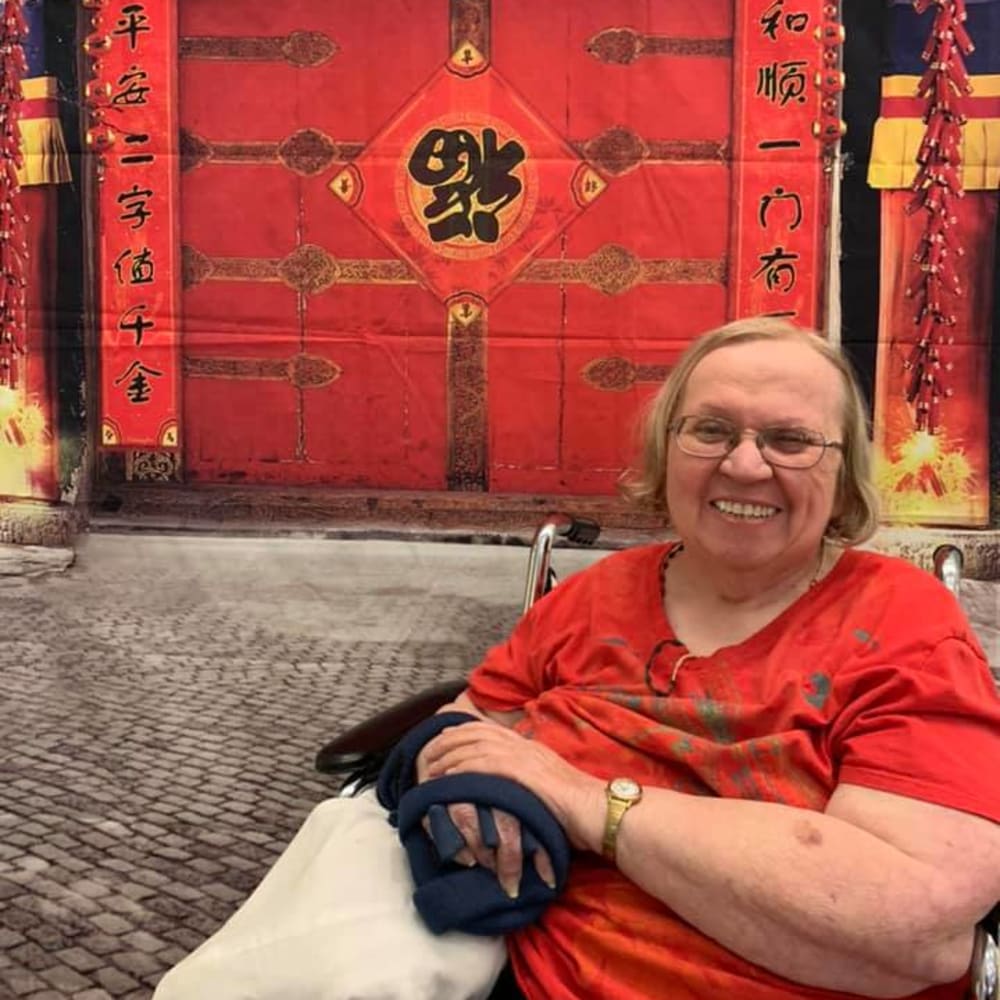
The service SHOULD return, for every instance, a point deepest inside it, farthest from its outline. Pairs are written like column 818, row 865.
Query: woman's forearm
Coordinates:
column 803, row 894
column 808, row 895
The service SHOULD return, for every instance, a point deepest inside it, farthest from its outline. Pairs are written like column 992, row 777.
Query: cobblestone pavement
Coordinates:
column 162, row 703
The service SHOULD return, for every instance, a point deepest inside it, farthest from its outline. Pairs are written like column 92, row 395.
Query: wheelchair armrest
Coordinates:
column 350, row 750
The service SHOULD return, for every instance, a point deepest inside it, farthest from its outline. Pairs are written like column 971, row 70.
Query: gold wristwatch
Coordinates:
column 622, row 794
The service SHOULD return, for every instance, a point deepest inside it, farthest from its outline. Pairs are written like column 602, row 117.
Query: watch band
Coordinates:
column 622, row 794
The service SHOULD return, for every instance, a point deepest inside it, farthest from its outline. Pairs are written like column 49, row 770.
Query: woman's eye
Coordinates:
column 712, row 430
column 790, row 440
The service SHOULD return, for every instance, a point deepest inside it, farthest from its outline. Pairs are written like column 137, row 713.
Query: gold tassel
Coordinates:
column 895, row 142
column 46, row 159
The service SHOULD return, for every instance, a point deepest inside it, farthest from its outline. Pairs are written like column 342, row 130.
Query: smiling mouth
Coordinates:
column 745, row 511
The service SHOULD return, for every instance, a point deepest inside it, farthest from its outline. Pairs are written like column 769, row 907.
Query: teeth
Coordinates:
column 748, row 510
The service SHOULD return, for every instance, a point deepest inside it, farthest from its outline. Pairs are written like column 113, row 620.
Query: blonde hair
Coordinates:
column 855, row 516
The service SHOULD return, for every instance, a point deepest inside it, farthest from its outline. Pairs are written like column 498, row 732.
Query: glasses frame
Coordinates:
column 758, row 437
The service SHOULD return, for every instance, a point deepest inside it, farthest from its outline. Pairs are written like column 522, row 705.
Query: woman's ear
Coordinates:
column 833, row 526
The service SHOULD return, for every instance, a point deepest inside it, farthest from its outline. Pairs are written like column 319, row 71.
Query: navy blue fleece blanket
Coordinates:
column 450, row 896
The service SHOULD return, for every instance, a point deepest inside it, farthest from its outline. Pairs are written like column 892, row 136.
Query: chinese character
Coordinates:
column 141, row 271
column 139, row 388
column 484, row 184
column 778, row 272
column 139, row 137
column 771, row 21
column 131, row 91
column 779, row 194
column 133, row 22
column 136, row 202
column 138, row 326
column 781, row 87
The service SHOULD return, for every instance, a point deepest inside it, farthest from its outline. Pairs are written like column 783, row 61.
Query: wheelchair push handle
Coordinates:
column 948, row 566
column 541, row 578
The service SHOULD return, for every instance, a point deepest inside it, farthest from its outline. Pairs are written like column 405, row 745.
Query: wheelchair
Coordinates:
column 356, row 756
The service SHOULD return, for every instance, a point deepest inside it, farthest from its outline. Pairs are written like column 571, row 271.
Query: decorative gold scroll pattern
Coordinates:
column 616, row 374
column 618, row 150
column 152, row 466
column 306, row 152
column 466, row 380
column 304, row 49
column 470, row 22
column 308, row 269
column 303, row 371
column 612, row 269
column 624, row 46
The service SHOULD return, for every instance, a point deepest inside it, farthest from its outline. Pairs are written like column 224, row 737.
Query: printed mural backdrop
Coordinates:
column 936, row 159
column 456, row 245
column 35, row 163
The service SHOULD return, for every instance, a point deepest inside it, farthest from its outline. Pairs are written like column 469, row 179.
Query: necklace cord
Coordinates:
column 684, row 657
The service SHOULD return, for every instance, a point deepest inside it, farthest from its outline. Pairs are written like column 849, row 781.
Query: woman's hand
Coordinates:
column 575, row 798
column 506, row 858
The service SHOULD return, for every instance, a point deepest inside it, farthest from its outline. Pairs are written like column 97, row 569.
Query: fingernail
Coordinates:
column 511, row 887
column 549, row 881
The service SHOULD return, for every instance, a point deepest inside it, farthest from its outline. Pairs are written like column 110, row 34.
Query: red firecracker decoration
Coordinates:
column 935, row 187
column 13, row 245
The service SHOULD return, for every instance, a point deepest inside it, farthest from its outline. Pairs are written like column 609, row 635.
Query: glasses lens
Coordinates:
column 707, row 437
column 792, row 447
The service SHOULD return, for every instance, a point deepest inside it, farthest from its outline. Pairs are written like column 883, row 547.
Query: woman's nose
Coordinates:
column 746, row 461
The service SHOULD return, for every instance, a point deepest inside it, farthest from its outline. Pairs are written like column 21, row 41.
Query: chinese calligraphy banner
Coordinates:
column 135, row 95
column 779, row 198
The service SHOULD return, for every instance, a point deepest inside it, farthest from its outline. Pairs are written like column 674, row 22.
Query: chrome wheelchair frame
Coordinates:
column 357, row 755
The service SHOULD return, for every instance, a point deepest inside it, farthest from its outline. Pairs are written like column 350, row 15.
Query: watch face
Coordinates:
column 625, row 788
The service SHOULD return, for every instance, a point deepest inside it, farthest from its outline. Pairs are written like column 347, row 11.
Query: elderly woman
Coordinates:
column 775, row 754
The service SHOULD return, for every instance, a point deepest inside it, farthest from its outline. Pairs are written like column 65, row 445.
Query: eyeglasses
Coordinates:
column 785, row 447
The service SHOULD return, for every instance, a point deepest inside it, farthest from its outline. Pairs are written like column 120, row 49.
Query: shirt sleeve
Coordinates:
column 930, row 730
column 505, row 680
column 519, row 670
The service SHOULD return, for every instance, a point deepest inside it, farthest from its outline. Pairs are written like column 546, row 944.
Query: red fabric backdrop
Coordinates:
column 322, row 340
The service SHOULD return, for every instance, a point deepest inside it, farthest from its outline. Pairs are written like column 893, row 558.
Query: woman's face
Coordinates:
column 756, row 385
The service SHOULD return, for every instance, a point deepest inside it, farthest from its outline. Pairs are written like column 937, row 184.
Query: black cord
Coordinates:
column 657, row 649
